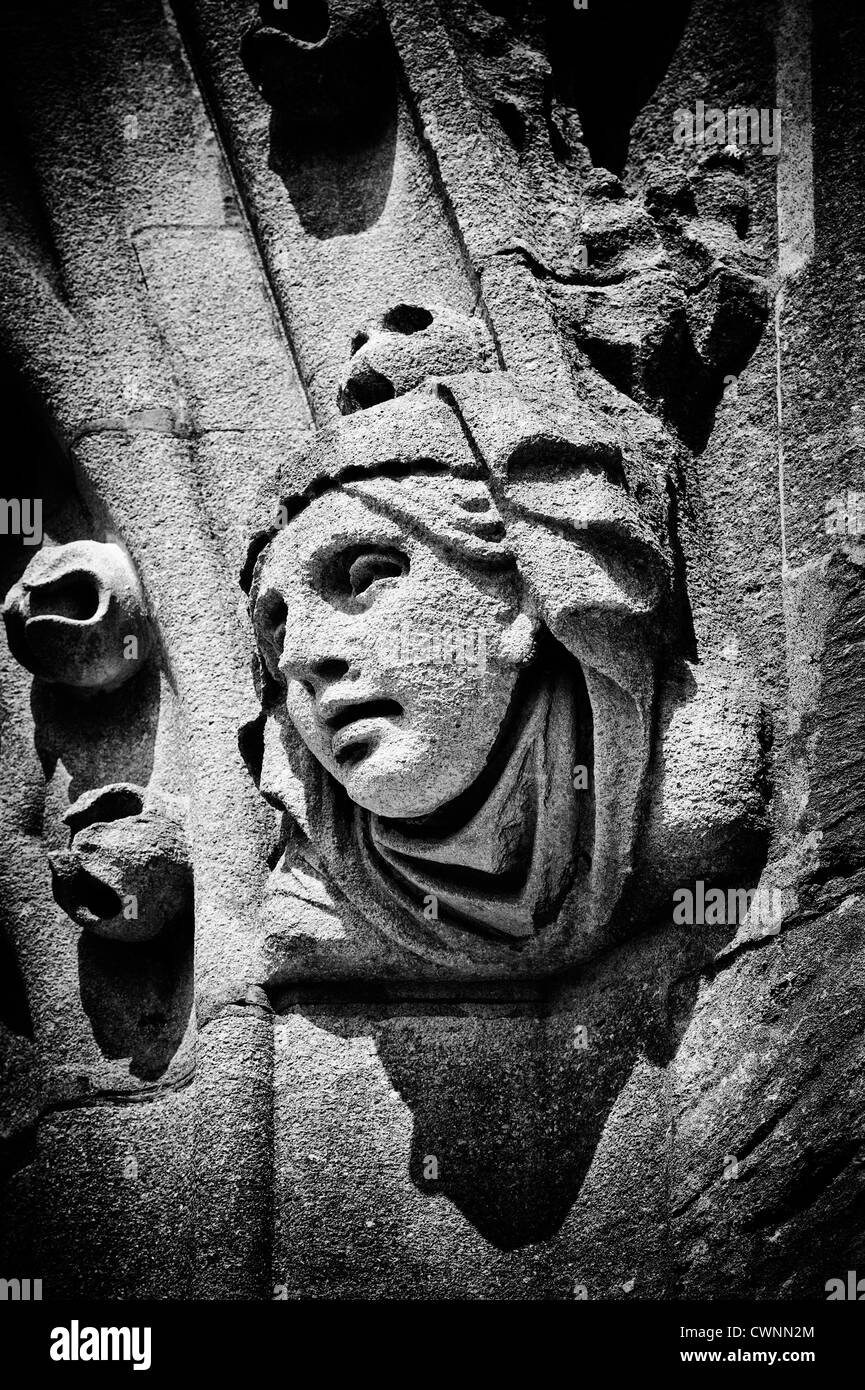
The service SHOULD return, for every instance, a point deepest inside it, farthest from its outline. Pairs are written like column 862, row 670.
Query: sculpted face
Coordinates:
column 399, row 662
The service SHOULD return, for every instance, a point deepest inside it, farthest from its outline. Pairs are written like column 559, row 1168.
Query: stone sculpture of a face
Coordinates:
column 459, row 653
column 399, row 660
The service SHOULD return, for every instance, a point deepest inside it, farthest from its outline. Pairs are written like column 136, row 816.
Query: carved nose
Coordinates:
column 315, row 672
column 330, row 669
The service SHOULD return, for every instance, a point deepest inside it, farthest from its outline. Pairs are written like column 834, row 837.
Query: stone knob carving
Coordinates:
column 405, row 346
column 126, row 875
column 77, row 617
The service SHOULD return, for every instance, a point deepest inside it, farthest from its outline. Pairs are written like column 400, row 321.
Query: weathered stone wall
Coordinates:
column 432, row 302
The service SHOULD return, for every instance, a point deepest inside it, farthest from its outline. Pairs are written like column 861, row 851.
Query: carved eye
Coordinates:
column 371, row 566
column 348, row 578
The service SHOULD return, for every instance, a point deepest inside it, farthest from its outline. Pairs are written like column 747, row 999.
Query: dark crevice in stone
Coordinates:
column 250, row 1001
column 605, row 81
column 684, row 616
column 115, row 803
column 274, row 855
column 512, row 122
column 561, row 150
column 818, row 1172
column 141, row 1095
column 40, row 466
column 577, row 278
column 74, row 597
column 17, row 1152
column 763, row 1130
column 14, row 1006
column 250, row 741
column 508, row 999
column 95, row 897
column 840, row 869
column 613, row 361
column 364, row 390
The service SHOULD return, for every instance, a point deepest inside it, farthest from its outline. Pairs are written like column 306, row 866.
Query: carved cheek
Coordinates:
column 299, row 704
column 375, row 636
column 308, row 622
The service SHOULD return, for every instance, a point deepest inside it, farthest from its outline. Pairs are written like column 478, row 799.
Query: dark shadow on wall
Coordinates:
column 138, row 996
column 511, row 1098
column 511, row 1112
column 339, row 180
column 101, row 738
column 607, row 60
column 14, row 1006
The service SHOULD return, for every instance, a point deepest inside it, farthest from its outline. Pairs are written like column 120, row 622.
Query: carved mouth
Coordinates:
column 355, row 726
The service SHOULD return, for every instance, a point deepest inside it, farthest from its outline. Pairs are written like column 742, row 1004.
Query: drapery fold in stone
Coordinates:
column 505, row 867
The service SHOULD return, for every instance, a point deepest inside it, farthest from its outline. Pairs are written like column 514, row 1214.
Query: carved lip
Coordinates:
column 355, row 722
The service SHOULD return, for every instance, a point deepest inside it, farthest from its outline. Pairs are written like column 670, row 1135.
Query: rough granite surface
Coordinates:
column 449, row 562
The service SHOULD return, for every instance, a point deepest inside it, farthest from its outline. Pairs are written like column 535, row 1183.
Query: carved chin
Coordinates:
column 377, row 769
column 519, row 873
column 391, row 768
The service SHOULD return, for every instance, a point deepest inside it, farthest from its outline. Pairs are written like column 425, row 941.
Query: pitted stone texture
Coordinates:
column 767, row 1164
column 137, row 1240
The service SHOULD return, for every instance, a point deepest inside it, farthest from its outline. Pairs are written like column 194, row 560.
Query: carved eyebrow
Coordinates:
column 318, row 487
column 381, row 532
column 358, row 472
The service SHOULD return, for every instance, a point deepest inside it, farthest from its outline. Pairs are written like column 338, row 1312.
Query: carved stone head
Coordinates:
column 463, row 619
